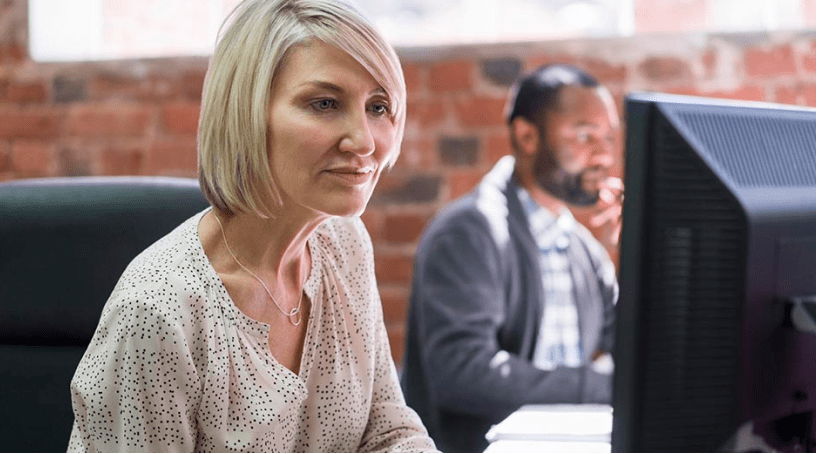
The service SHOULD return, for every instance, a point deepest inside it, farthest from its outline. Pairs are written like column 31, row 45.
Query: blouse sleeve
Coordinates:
column 393, row 426
column 136, row 388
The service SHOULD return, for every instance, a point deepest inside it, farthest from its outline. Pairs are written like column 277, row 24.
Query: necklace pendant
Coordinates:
column 292, row 314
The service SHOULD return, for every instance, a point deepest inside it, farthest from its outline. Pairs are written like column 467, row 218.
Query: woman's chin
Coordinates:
column 345, row 208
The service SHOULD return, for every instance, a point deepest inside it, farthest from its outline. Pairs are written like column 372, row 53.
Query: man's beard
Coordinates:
column 562, row 184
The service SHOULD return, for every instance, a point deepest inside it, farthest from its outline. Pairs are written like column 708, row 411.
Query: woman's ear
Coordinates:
column 525, row 135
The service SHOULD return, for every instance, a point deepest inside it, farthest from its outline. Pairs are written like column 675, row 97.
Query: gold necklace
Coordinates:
column 293, row 313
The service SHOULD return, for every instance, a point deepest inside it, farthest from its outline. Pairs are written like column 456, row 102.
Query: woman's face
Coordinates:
column 330, row 131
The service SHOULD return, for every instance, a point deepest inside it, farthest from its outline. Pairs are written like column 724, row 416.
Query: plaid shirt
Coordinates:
column 558, row 342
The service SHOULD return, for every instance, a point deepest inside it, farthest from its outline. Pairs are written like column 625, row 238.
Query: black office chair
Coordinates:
column 64, row 242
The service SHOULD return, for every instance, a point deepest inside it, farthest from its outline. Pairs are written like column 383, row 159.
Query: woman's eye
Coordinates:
column 380, row 109
column 324, row 104
column 582, row 137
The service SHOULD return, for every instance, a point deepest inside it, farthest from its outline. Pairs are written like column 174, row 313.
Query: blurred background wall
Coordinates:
column 139, row 116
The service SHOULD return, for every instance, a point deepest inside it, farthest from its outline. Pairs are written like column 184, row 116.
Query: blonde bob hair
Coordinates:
column 233, row 169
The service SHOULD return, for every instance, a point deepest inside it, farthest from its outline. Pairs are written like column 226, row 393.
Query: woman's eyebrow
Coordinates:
column 322, row 84
column 336, row 88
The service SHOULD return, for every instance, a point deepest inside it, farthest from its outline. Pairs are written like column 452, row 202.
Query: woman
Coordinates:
column 256, row 325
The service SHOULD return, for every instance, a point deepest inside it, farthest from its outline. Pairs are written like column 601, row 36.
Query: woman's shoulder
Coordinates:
column 342, row 254
column 344, row 237
column 164, row 300
column 167, row 274
column 338, row 227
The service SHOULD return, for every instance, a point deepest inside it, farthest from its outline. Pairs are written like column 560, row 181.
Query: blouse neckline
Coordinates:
column 255, row 327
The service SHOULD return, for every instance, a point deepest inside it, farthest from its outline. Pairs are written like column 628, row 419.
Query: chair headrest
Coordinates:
column 64, row 242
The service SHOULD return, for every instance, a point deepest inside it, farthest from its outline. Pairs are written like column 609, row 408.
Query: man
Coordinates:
column 512, row 301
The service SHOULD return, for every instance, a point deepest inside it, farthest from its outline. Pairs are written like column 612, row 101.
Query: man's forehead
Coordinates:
column 581, row 101
column 576, row 97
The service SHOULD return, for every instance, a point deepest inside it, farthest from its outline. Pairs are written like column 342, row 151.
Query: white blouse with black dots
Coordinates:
column 175, row 366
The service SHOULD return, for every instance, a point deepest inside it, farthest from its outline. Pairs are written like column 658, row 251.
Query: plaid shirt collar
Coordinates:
column 548, row 231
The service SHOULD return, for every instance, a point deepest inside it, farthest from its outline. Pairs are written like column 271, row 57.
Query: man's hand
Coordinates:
column 608, row 218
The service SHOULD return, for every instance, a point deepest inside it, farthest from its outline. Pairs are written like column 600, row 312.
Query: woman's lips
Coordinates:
column 351, row 176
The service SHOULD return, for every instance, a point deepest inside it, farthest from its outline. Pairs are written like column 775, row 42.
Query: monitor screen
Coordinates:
column 715, row 334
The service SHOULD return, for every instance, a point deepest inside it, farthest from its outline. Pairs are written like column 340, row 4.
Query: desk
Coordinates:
column 554, row 428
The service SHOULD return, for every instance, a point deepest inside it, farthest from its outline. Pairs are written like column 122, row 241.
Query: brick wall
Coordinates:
column 140, row 116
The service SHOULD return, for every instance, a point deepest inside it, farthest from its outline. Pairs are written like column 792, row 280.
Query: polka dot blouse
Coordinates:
column 175, row 366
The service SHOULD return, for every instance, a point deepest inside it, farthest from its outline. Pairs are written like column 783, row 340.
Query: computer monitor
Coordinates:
column 717, row 275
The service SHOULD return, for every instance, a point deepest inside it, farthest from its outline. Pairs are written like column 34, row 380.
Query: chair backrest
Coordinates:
column 64, row 242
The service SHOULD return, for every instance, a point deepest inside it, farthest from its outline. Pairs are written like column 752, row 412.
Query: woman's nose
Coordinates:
column 357, row 137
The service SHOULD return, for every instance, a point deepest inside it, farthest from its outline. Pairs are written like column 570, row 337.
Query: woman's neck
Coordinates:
column 275, row 249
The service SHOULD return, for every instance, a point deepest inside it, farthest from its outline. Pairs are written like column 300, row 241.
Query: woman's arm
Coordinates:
column 136, row 388
column 393, row 426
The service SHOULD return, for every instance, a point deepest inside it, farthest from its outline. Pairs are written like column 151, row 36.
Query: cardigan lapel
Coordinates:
column 586, row 294
column 518, row 224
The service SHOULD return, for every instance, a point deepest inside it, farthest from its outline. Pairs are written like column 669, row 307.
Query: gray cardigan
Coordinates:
column 477, row 291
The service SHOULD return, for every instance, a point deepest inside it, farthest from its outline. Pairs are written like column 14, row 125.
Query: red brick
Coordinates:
column 413, row 75
column 481, row 111
column 192, row 84
column 770, row 62
column 603, row 71
column 424, row 113
column 180, row 117
column 29, row 123
column 535, row 61
column 393, row 268
column 116, row 86
column 397, row 188
column 172, row 157
column 802, row 94
column 684, row 90
column 458, row 151
column 404, row 228
column 33, row 158
column 99, row 120
column 12, row 53
column 23, row 92
column 662, row 69
column 373, row 220
column 77, row 161
column 123, row 161
column 395, row 304
column 748, row 92
column 807, row 59
column 69, row 89
column 451, row 76
column 418, row 153
column 108, row 85
column 498, row 146
column 501, row 71
column 709, row 60
column 397, row 341
column 460, row 182
column 5, row 156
